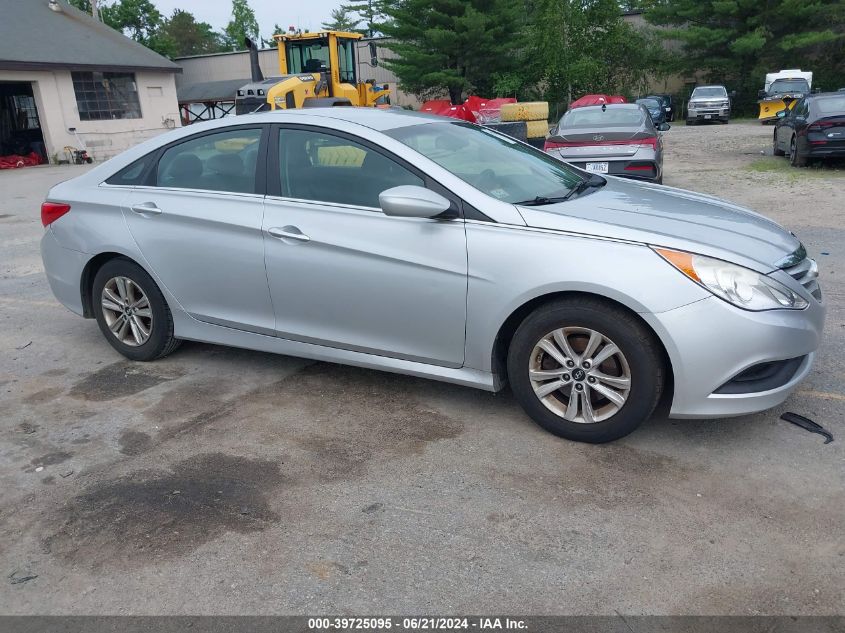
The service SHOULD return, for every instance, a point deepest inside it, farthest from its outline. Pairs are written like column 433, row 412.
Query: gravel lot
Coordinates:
column 227, row 481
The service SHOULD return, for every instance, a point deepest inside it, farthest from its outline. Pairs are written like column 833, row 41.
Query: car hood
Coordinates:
column 673, row 218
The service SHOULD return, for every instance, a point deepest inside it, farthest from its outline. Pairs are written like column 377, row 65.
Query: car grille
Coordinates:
column 806, row 272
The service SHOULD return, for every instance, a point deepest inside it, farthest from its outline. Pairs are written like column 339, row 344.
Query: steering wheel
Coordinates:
column 486, row 179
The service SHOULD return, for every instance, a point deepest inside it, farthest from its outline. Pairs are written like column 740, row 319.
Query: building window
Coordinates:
column 106, row 96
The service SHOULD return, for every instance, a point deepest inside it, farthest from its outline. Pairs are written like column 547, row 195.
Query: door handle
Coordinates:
column 146, row 208
column 289, row 233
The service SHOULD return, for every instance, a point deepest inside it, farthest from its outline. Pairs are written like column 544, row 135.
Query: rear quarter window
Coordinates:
column 133, row 174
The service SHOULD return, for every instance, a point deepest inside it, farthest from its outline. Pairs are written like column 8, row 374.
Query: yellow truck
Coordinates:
column 782, row 89
column 316, row 70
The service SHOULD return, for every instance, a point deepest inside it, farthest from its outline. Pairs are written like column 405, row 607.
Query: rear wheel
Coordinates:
column 775, row 149
column 131, row 311
column 795, row 159
column 585, row 370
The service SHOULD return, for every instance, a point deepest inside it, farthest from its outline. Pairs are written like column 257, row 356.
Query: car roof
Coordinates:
column 609, row 106
column 709, row 86
column 374, row 118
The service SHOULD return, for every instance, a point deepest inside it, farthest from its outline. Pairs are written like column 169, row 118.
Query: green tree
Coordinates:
column 454, row 46
column 584, row 46
column 243, row 24
column 270, row 42
column 737, row 41
column 342, row 20
column 190, row 37
column 370, row 12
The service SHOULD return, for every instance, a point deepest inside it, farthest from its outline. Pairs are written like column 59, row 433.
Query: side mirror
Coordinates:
column 781, row 114
column 411, row 201
column 761, row 94
column 373, row 54
column 664, row 127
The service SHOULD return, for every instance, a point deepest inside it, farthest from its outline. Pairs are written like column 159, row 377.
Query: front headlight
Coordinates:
column 737, row 285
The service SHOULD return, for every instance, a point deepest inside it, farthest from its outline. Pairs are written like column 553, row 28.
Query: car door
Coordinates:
column 197, row 222
column 343, row 274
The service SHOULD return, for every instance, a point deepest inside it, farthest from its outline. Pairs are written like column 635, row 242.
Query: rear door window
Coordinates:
column 223, row 161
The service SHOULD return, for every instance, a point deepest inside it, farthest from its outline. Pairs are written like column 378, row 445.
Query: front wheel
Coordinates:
column 131, row 311
column 776, row 151
column 795, row 158
column 585, row 370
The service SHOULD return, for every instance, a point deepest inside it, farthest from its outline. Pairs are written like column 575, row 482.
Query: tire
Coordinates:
column 638, row 357
column 775, row 150
column 129, row 339
column 536, row 129
column 690, row 122
column 526, row 111
column 795, row 159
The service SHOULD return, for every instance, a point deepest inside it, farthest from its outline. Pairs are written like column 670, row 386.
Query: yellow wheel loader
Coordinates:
column 317, row 70
column 782, row 90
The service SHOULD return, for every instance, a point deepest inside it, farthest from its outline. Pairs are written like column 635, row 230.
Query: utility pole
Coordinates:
column 94, row 10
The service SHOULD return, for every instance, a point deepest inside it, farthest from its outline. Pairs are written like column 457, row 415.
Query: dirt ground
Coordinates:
column 226, row 481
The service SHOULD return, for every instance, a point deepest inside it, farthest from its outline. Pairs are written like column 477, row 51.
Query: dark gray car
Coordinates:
column 618, row 139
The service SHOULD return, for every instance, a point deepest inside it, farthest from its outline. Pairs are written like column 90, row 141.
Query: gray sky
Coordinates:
column 305, row 15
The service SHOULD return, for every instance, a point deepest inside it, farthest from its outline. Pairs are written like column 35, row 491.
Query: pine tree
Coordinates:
column 370, row 12
column 342, row 20
column 454, row 46
column 737, row 42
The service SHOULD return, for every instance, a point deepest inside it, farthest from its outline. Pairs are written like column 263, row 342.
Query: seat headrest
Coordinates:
column 185, row 166
column 226, row 164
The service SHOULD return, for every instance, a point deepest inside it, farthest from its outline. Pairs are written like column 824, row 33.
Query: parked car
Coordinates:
column 668, row 103
column 709, row 103
column 813, row 128
column 655, row 109
column 437, row 248
column 620, row 140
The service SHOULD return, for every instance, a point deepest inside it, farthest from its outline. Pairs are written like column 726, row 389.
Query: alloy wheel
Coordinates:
column 579, row 374
column 127, row 311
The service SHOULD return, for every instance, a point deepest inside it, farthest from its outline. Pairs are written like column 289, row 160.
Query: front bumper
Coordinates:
column 709, row 114
column 710, row 342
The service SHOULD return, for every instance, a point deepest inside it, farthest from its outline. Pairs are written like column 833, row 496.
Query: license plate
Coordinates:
column 598, row 168
column 707, row 116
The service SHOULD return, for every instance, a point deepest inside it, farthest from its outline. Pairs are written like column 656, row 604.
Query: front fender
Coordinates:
column 512, row 266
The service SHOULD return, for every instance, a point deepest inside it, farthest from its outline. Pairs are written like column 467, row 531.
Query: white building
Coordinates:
column 61, row 69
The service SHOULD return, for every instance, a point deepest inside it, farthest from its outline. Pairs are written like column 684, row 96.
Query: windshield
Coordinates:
column 492, row 163
column 308, row 56
column 710, row 91
column 594, row 116
column 831, row 105
column 789, row 85
column 652, row 104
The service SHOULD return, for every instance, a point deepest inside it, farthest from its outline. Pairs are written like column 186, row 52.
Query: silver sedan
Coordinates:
column 437, row 248
column 617, row 139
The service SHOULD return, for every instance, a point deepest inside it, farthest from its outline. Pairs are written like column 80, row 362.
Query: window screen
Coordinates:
column 225, row 161
column 106, row 95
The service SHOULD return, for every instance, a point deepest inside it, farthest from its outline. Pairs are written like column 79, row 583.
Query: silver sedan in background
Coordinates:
column 441, row 249
column 618, row 139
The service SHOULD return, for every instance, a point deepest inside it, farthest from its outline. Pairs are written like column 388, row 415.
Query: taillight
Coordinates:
column 639, row 167
column 52, row 211
column 651, row 142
